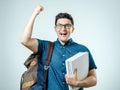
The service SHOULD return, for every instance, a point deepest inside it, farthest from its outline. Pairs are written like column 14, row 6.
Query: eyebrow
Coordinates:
column 64, row 24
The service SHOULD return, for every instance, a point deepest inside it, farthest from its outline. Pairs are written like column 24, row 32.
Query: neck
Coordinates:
column 63, row 42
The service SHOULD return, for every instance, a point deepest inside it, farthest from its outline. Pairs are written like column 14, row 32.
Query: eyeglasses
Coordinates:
column 67, row 26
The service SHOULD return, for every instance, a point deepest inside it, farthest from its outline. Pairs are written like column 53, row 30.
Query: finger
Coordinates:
column 75, row 72
column 67, row 77
column 38, row 9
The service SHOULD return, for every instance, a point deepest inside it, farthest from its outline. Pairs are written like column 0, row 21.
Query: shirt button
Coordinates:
column 63, row 55
column 63, row 73
column 63, row 82
column 63, row 64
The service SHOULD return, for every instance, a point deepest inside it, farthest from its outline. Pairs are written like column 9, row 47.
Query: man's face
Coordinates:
column 64, row 28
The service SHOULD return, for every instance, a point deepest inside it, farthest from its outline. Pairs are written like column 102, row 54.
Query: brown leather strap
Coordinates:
column 27, row 84
column 48, row 58
column 49, row 53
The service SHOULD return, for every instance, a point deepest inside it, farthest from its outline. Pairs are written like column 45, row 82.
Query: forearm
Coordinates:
column 27, row 32
column 88, row 82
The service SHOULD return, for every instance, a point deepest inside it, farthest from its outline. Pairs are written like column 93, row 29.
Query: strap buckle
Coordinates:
column 46, row 67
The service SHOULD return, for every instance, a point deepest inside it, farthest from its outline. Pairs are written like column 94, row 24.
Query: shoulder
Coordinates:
column 42, row 44
column 79, row 46
column 42, row 41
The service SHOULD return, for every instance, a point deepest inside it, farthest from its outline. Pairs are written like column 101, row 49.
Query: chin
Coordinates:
column 64, row 40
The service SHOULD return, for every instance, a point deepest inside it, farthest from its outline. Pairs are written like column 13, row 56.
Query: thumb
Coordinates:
column 38, row 9
column 75, row 73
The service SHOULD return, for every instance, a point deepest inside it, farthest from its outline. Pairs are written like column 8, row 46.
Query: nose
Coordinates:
column 63, row 27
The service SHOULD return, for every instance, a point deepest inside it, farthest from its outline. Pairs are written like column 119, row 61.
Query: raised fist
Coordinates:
column 38, row 9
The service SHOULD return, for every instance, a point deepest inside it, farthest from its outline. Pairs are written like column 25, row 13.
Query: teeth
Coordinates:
column 63, row 33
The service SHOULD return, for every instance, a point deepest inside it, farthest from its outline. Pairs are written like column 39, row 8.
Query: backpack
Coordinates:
column 29, row 77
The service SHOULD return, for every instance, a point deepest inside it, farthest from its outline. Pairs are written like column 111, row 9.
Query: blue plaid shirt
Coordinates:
column 57, row 69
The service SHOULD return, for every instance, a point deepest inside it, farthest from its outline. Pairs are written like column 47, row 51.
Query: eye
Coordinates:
column 59, row 25
column 68, row 25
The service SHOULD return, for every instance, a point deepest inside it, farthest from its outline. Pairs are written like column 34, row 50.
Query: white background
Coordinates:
column 97, row 25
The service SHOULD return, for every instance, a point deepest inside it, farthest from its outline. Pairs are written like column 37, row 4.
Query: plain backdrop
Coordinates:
column 97, row 26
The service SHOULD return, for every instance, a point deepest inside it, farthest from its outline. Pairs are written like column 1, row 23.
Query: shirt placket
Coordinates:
column 63, row 66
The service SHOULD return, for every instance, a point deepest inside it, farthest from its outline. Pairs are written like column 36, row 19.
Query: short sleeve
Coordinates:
column 42, row 45
column 92, row 64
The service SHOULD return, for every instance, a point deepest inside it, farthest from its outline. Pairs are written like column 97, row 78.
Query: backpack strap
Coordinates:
column 48, row 54
column 46, row 66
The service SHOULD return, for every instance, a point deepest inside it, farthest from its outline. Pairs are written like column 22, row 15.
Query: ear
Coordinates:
column 55, row 28
column 72, row 30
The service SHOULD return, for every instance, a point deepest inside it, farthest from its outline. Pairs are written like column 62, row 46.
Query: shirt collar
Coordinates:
column 69, row 42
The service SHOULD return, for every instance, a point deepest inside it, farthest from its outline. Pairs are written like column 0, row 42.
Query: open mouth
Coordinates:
column 63, row 33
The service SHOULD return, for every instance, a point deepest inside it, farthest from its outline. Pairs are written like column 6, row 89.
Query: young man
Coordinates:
column 64, row 47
